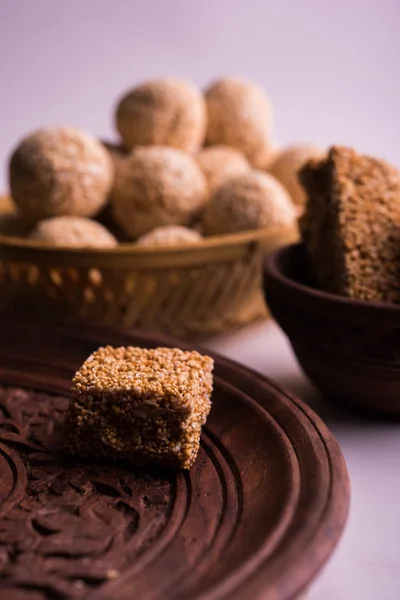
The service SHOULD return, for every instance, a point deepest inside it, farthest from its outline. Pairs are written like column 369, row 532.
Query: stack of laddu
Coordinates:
column 188, row 164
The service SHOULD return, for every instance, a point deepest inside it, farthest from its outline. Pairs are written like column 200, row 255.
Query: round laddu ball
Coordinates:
column 287, row 163
column 73, row 232
column 157, row 186
column 60, row 171
column 248, row 201
column 239, row 115
column 170, row 235
column 163, row 112
column 219, row 163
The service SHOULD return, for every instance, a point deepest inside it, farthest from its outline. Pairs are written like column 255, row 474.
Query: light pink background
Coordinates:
column 331, row 68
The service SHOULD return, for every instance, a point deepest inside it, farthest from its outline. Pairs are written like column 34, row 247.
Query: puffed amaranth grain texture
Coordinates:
column 248, row 201
column 60, row 171
column 351, row 225
column 144, row 406
column 163, row 112
column 239, row 115
column 157, row 186
column 220, row 163
column 73, row 232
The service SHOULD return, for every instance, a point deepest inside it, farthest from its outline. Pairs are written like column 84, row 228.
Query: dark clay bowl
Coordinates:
column 349, row 349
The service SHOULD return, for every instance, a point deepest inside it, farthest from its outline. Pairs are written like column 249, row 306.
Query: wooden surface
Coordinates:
column 256, row 517
column 348, row 348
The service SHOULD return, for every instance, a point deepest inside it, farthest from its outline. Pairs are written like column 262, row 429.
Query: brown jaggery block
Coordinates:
column 144, row 406
column 351, row 225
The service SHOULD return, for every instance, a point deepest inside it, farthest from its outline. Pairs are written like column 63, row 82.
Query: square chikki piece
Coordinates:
column 351, row 224
column 145, row 406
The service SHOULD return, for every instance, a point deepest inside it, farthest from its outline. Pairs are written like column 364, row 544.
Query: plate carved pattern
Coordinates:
column 66, row 528
column 258, row 514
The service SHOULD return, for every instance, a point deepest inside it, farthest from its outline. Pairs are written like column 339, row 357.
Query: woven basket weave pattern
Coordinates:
column 183, row 302
column 188, row 292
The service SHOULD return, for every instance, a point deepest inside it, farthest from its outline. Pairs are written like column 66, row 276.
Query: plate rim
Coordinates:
column 288, row 584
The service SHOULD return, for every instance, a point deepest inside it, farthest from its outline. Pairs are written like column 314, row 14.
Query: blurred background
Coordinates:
column 330, row 68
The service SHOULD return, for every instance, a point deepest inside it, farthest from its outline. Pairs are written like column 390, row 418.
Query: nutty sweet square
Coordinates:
column 142, row 405
column 351, row 224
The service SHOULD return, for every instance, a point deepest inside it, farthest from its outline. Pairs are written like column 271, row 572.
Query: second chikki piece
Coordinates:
column 351, row 226
column 145, row 406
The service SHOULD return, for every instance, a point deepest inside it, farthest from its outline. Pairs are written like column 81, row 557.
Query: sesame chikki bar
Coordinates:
column 351, row 225
column 145, row 406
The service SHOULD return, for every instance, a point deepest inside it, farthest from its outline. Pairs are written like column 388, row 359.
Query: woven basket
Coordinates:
column 186, row 292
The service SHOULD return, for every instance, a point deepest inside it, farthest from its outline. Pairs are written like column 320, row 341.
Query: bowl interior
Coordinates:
column 289, row 275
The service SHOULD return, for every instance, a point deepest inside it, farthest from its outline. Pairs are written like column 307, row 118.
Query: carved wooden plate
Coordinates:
column 256, row 517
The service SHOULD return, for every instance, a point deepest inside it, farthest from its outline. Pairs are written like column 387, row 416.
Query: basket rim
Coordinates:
column 244, row 238
column 230, row 239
